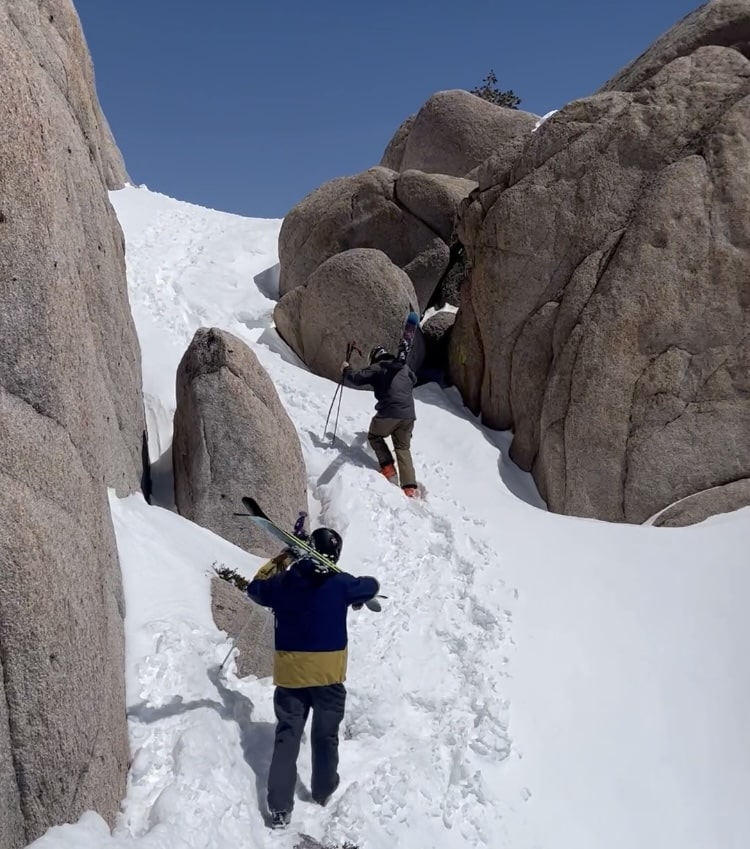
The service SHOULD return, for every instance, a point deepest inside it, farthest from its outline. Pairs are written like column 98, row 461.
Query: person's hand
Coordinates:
column 344, row 365
column 356, row 607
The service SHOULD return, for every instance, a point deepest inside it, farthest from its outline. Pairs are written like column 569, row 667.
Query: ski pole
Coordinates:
column 339, row 389
column 350, row 348
column 237, row 639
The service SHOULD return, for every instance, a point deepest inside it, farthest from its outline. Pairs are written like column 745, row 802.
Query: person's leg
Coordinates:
column 402, row 446
column 291, row 707
column 328, row 704
column 379, row 429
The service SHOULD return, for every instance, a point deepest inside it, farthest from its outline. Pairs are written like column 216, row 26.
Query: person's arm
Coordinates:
column 360, row 590
column 263, row 586
column 361, row 376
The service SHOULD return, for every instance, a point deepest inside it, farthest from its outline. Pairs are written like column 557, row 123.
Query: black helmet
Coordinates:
column 377, row 354
column 327, row 542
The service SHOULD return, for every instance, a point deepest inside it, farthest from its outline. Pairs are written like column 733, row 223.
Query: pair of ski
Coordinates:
column 407, row 336
column 297, row 546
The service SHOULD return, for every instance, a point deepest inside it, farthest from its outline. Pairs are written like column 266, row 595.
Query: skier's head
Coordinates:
column 327, row 542
column 377, row 354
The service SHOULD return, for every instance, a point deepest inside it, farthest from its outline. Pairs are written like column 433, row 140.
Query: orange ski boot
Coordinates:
column 388, row 471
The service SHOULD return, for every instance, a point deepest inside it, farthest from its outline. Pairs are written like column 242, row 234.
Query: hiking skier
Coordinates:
column 310, row 605
column 393, row 383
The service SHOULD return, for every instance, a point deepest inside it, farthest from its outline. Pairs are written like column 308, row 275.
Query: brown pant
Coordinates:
column 400, row 430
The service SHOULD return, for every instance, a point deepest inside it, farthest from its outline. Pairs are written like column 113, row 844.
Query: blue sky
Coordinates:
column 247, row 106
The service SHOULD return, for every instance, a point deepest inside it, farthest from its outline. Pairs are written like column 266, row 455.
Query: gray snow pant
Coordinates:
column 400, row 430
column 292, row 706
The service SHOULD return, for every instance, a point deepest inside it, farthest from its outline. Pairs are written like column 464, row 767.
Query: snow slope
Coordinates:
column 534, row 681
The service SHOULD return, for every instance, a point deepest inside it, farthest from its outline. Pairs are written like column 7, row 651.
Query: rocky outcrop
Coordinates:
column 453, row 133
column 433, row 199
column 394, row 152
column 232, row 437
column 437, row 333
column 52, row 36
column 249, row 625
column 723, row 23
column 365, row 211
column 369, row 297
column 605, row 315
column 71, row 424
column 699, row 507
column 449, row 288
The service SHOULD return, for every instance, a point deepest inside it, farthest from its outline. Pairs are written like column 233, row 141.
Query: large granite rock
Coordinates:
column 369, row 298
column 697, row 508
column 605, row 315
column 363, row 212
column 433, row 199
column 394, row 151
column 71, row 424
column 52, row 36
column 232, row 437
column 248, row 624
column 453, row 133
column 724, row 23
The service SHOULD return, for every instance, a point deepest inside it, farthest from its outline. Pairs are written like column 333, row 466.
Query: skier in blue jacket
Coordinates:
column 310, row 605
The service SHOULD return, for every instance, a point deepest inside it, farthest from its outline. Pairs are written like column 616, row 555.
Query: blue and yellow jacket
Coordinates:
column 310, row 610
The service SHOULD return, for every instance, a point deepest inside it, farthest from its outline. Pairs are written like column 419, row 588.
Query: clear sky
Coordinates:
column 247, row 106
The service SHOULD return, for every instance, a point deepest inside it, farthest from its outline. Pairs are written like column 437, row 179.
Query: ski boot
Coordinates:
column 280, row 819
column 323, row 800
column 388, row 471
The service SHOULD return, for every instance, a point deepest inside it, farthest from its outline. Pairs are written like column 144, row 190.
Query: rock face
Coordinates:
column 408, row 216
column 724, row 23
column 394, row 153
column 367, row 211
column 52, row 36
column 697, row 508
column 433, row 199
column 71, row 424
column 453, row 133
column 449, row 290
column 248, row 624
column 368, row 295
column 232, row 437
column 437, row 333
column 606, row 313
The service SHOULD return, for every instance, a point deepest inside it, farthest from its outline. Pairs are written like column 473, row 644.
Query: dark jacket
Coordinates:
column 393, row 383
column 310, row 609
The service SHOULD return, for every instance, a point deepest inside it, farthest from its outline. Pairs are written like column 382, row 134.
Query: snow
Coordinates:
column 534, row 681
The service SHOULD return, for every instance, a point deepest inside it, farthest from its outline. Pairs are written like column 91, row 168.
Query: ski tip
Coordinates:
column 252, row 506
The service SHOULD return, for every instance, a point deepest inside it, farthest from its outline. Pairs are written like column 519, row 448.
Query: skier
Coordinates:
column 310, row 605
column 393, row 383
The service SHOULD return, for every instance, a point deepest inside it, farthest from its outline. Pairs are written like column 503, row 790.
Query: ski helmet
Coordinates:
column 327, row 542
column 377, row 354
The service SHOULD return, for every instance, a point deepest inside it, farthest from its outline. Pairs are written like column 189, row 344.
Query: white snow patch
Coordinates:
column 534, row 681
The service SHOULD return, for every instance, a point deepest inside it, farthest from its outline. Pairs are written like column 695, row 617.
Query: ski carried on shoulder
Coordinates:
column 407, row 336
column 297, row 546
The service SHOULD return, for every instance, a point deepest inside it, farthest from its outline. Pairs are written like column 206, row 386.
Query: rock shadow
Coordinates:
column 519, row 483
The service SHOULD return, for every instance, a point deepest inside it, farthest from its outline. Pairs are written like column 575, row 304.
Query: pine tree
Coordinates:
column 489, row 91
